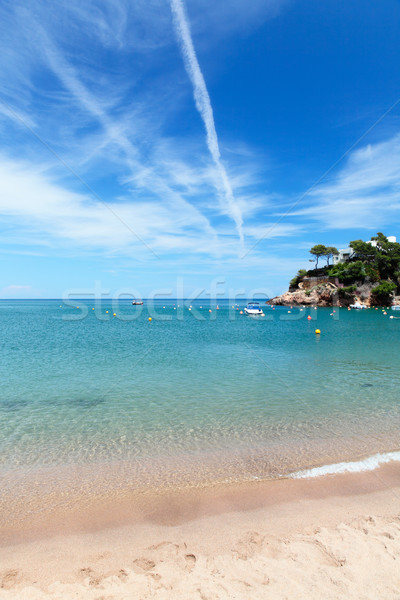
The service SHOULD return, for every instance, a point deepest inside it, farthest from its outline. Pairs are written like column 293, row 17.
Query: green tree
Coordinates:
column 330, row 252
column 380, row 239
column 363, row 250
column 348, row 272
column 318, row 250
column 383, row 258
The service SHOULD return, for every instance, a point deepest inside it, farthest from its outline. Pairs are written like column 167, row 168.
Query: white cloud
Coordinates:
column 111, row 132
column 203, row 105
column 365, row 193
column 32, row 202
column 271, row 230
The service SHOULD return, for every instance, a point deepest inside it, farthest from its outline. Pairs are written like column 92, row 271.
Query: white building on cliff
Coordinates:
column 346, row 254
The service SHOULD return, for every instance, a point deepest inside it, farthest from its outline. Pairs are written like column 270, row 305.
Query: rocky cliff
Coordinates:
column 327, row 293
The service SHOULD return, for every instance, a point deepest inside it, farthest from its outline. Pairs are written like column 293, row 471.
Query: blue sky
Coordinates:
column 149, row 142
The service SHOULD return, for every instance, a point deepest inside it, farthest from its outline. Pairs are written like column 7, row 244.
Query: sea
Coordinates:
column 102, row 395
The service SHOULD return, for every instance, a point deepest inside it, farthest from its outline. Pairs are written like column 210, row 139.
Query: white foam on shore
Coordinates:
column 367, row 464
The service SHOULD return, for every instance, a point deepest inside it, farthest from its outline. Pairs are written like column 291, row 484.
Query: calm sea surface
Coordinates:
column 191, row 396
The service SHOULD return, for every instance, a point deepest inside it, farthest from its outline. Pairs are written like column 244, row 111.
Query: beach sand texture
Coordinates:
column 333, row 546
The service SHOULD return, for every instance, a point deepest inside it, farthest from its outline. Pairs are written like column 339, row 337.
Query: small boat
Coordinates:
column 137, row 302
column 253, row 308
column 358, row 306
column 396, row 307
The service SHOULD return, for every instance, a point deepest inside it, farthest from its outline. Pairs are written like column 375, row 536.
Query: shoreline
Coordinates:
column 179, row 540
column 39, row 512
column 76, row 492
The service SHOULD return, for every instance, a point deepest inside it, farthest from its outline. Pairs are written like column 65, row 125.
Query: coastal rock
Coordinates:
column 325, row 294
column 320, row 291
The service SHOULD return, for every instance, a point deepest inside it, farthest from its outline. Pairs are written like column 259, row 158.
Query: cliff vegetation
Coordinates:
column 370, row 274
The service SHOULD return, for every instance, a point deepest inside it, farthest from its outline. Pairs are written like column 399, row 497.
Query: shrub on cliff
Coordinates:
column 294, row 283
column 347, row 294
column 370, row 263
column 348, row 272
column 347, row 290
column 383, row 293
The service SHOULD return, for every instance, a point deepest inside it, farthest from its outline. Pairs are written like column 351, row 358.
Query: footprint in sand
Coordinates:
column 10, row 578
column 165, row 552
column 122, row 574
column 190, row 561
column 249, row 545
column 88, row 573
column 329, row 554
column 143, row 565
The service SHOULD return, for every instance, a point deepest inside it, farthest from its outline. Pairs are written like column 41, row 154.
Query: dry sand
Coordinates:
column 332, row 537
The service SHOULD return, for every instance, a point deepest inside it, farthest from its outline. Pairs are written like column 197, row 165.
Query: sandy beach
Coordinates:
column 332, row 537
column 199, row 300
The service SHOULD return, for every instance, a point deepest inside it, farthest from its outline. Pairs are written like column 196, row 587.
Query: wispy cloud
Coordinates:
column 203, row 104
column 364, row 194
column 138, row 172
column 35, row 203
column 91, row 81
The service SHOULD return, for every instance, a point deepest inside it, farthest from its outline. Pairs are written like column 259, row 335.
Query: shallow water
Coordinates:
column 191, row 396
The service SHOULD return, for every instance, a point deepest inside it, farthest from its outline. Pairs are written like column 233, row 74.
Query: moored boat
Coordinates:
column 358, row 306
column 253, row 308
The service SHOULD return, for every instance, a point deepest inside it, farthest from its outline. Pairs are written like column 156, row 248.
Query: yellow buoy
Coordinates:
column 317, row 331
column 114, row 314
column 150, row 319
column 107, row 311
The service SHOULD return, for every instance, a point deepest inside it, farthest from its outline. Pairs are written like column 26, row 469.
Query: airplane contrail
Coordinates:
column 203, row 105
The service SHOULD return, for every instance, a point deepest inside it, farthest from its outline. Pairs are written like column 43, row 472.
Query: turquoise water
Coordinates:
column 192, row 395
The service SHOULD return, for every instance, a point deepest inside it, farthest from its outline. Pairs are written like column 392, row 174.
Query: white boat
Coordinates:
column 396, row 307
column 253, row 308
column 358, row 306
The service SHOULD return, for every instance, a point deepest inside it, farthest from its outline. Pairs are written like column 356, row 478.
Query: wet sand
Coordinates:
column 333, row 536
